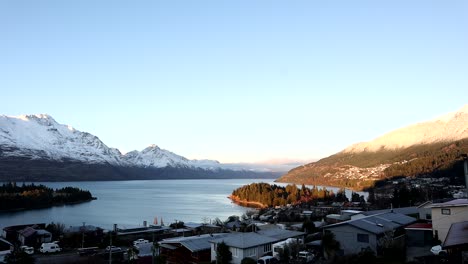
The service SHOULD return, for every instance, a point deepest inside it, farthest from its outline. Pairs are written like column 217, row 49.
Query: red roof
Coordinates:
column 420, row 226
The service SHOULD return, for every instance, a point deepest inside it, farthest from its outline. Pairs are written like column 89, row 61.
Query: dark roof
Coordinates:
column 27, row 232
column 379, row 223
column 402, row 210
column 244, row 240
column 5, row 242
column 457, row 235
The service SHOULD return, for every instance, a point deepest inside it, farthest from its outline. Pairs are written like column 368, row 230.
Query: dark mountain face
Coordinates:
column 30, row 170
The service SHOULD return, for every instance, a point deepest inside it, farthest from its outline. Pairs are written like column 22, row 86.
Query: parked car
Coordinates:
column 27, row 250
column 140, row 241
column 113, row 248
column 267, row 260
column 49, row 248
column 306, row 256
column 437, row 250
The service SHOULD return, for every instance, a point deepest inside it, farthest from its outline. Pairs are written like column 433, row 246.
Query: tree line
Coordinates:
column 275, row 195
column 28, row 196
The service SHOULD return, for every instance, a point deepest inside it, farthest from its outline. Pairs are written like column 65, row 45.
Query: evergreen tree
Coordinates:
column 223, row 254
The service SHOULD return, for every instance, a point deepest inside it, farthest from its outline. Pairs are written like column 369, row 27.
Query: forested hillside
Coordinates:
column 347, row 169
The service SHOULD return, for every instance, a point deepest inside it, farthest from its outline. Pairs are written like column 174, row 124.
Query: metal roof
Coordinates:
column 379, row 223
column 279, row 234
column 193, row 243
column 27, row 232
column 457, row 235
column 244, row 240
column 402, row 210
column 456, row 202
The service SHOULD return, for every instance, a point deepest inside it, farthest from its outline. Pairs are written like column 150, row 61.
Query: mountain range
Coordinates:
column 428, row 149
column 36, row 148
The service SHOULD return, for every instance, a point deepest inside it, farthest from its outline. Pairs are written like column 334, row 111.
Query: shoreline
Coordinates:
column 251, row 204
column 354, row 189
column 46, row 206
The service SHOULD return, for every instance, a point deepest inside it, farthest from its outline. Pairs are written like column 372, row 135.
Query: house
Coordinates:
column 33, row 237
column 193, row 249
column 10, row 233
column 445, row 214
column 374, row 232
column 244, row 245
column 424, row 211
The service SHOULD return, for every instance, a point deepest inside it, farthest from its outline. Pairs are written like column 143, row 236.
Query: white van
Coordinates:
column 49, row 248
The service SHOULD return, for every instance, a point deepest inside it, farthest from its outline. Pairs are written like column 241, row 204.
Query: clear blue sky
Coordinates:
column 240, row 80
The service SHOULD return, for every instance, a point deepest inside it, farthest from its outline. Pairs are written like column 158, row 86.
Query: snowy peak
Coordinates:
column 41, row 137
column 153, row 156
column 447, row 128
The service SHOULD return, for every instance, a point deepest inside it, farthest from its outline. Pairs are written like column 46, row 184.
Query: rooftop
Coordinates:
column 193, row 243
column 420, row 226
column 457, row 235
column 453, row 203
column 378, row 223
column 402, row 210
column 244, row 240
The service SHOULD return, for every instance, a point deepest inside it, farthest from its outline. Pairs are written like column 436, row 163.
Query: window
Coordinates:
column 428, row 216
column 267, row 248
column 250, row 252
column 364, row 238
column 445, row 211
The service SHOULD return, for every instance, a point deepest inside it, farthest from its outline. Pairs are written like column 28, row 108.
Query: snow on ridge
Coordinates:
column 40, row 136
column 449, row 127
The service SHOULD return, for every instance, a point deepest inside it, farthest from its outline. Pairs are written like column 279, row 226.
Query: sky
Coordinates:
column 235, row 81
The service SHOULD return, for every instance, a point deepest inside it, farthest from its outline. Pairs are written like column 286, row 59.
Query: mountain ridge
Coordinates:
column 36, row 147
column 360, row 165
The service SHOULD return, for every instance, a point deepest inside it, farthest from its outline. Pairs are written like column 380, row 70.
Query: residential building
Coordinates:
column 244, row 245
column 193, row 249
column 445, row 214
column 419, row 240
column 374, row 232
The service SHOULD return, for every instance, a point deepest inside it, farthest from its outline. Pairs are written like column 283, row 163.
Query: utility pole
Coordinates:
column 82, row 235
column 110, row 248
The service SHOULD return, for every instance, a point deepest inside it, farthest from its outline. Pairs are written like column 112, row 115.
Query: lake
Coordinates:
column 129, row 203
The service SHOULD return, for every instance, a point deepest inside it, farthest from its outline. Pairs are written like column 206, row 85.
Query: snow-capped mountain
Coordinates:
column 153, row 156
column 447, row 128
column 41, row 137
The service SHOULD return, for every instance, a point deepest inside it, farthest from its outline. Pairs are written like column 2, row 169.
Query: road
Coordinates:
column 74, row 257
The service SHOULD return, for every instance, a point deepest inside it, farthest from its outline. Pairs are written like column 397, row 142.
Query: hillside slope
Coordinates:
column 432, row 148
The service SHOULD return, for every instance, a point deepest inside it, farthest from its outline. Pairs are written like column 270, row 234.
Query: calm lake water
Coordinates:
column 129, row 203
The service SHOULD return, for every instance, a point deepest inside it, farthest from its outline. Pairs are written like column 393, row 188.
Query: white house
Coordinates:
column 244, row 245
column 445, row 214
